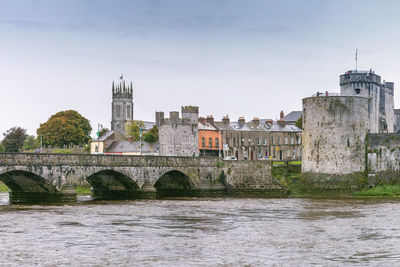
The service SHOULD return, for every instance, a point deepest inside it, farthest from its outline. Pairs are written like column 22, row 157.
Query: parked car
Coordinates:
column 230, row 158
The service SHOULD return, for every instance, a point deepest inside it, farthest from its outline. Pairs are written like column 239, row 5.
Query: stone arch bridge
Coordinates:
column 54, row 177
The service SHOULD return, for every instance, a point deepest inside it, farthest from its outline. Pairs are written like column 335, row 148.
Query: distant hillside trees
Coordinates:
column 14, row 139
column 65, row 128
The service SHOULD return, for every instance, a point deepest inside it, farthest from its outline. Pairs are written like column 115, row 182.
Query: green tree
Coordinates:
column 152, row 135
column 132, row 128
column 30, row 143
column 2, row 148
column 65, row 128
column 103, row 131
column 299, row 122
column 14, row 139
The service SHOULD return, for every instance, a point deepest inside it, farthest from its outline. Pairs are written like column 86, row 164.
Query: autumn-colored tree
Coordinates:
column 14, row 139
column 65, row 128
column 152, row 135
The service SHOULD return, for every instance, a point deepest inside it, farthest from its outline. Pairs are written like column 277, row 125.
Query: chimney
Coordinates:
column 210, row 119
column 282, row 115
column 241, row 121
column 256, row 121
column 202, row 120
column 225, row 119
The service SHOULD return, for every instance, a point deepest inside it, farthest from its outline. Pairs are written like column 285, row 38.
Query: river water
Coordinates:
column 202, row 232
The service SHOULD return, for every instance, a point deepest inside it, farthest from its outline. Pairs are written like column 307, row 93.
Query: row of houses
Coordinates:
column 258, row 139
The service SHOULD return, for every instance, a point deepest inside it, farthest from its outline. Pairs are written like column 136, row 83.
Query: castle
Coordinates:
column 179, row 136
column 379, row 94
column 351, row 132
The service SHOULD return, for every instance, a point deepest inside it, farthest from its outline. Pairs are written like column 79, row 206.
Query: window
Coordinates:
column 203, row 142
column 249, row 143
column 234, row 141
column 265, row 141
column 288, row 153
column 286, row 140
column 299, row 140
column 242, row 141
column 279, row 140
column 118, row 111
column 274, row 153
column 216, row 142
column 96, row 149
column 272, row 141
column 258, row 141
column 128, row 111
column 210, row 142
column 294, row 153
column 259, row 153
column 358, row 91
column 292, row 140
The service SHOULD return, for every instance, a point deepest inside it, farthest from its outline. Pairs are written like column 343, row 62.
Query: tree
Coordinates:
column 14, row 139
column 65, row 128
column 30, row 143
column 133, row 129
column 299, row 122
column 103, row 131
column 2, row 149
column 152, row 135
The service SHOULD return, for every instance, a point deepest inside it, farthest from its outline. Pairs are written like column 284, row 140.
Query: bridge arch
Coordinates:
column 174, row 183
column 26, row 181
column 111, row 184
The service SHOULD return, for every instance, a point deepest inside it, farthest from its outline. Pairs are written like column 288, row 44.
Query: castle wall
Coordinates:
column 179, row 137
column 397, row 120
column 334, row 134
column 178, row 140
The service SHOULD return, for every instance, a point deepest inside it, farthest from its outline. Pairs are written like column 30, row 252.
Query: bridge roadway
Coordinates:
column 54, row 177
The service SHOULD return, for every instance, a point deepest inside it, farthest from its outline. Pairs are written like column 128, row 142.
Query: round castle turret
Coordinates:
column 334, row 130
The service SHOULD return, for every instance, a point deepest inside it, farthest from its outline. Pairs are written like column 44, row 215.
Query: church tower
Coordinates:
column 122, row 105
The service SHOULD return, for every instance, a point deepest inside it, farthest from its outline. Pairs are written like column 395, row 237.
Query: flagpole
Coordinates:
column 356, row 60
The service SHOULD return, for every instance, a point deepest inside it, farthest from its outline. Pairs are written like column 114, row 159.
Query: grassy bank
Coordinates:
column 3, row 187
column 379, row 191
column 80, row 190
column 83, row 190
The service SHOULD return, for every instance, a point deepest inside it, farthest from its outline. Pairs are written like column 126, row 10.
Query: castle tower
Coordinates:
column 334, row 130
column 122, row 105
column 380, row 95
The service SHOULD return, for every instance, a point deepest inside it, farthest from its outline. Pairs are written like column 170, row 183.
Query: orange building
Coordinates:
column 210, row 144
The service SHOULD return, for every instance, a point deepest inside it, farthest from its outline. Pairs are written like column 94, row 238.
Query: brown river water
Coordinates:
column 202, row 232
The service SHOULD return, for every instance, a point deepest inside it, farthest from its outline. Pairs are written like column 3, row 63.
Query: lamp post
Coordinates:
column 98, row 137
column 140, row 136
column 220, row 143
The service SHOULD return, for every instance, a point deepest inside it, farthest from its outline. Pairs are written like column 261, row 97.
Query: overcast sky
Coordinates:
column 241, row 58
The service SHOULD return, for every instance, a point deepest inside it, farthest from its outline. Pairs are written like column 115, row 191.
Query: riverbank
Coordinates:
column 296, row 191
column 80, row 190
